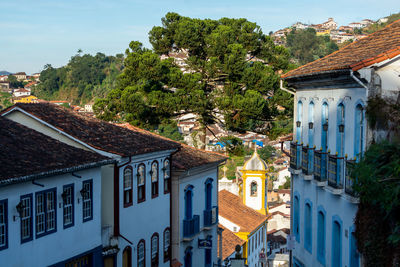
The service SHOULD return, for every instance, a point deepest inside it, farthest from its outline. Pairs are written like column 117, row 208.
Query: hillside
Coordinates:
column 3, row 72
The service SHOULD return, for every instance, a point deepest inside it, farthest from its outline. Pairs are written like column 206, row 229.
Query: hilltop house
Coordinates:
column 331, row 134
column 21, row 76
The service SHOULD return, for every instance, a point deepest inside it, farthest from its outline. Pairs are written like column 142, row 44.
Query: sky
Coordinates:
column 35, row 33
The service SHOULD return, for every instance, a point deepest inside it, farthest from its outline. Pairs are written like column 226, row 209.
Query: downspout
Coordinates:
column 285, row 89
column 359, row 81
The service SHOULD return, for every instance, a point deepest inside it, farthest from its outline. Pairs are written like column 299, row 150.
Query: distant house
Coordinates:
column 330, row 24
column 21, row 92
column 29, row 85
column 21, row 76
column 229, row 242
column 356, row 25
column 25, row 99
column 3, row 78
column 4, row 86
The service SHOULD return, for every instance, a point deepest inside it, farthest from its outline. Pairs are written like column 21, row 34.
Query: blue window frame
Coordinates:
column 308, row 225
column 208, row 189
column 24, row 208
column 189, row 202
column 336, row 253
column 297, row 263
column 354, row 255
column 68, row 205
column 3, row 224
column 311, row 120
column 207, row 254
column 45, row 212
column 87, row 200
column 321, row 234
column 300, row 119
column 188, row 257
column 296, row 219
column 141, row 253
column 340, row 136
column 324, row 133
column 359, row 131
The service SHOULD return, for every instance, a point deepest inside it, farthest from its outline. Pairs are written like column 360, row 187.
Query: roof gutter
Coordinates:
column 358, row 80
column 285, row 89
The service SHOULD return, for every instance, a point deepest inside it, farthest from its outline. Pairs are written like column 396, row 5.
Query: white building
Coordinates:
column 50, row 200
column 330, row 132
column 21, row 92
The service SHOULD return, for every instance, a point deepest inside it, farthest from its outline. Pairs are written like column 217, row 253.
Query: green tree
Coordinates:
column 266, row 153
column 223, row 79
column 170, row 130
column 14, row 83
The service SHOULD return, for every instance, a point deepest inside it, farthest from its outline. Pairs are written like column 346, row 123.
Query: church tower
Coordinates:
column 254, row 183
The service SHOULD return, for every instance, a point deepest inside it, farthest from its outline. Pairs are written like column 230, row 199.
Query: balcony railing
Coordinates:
column 320, row 165
column 335, row 171
column 307, row 160
column 210, row 217
column 295, row 156
column 349, row 181
column 191, row 227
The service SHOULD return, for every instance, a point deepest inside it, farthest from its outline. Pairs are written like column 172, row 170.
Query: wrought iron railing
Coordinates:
column 307, row 160
column 192, row 226
column 295, row 156
column 335, row 171
column 349, row 180
column 320, row 165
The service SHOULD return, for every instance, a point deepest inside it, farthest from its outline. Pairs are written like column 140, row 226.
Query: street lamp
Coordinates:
column 341, row 128
column 298, row 123
column 325, row 126
column 310, row 125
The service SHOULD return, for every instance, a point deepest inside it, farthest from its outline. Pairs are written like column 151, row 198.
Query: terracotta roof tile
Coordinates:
column 25, row 152
column 231, row 207
column 229, row 242
column 96, row 133
column 376, row 47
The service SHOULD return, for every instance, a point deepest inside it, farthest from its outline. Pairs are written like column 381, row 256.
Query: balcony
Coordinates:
column 191, row 227
column 335, row 173
column 320, row 167
column 295, row 157
column 349, row 181
column 210, row 217
column 307, row 162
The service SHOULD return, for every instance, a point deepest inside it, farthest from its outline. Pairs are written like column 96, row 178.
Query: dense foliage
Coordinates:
column 305, row 46
column 5, row 100
column 170, row 130
column 81, row 80
column 378, row 216
column 14, row 83
column 224, row 84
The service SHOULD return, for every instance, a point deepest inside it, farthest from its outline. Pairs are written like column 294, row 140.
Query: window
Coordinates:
column 3, row 224
column 167, row 176
column 127, row 257
column 87, row 200
column 188, row 202
column 311, row 120
column 141, row 183
column 167, row 247
column 253, row 189
column 141, row 254
column 299, row 119
column 324, row 127
column 321, row 235
column 296, row 219
column 354, row 255
column 209, row 193
column 188, row 257
column 308, row 226
column 154, row 179
column 340, row 130
column 336, row 242
column 154, row 250
column 207, row 254
column 68, row 205
column 359, row 132
column 45, row 208
column 128, row 186
column 25, row 210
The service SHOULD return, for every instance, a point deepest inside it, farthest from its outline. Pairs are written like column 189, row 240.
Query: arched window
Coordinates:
column 141, row 254
column 189, row 202
column 299, row 122
column 340, row 130
column 321, row 232
column 128, row 186
column 336, row 242
column 167, row 246
column 308, row 226
column 324, row 127
column 154, row 179
column 188, row 257
column 154, row 250
column 253, row 189
column 354, row 255
column 359, row 132
column 167, row 176
column 141, row 183
column 311, row 124
column 208, row 185
column 296, row 219
column 127, row 257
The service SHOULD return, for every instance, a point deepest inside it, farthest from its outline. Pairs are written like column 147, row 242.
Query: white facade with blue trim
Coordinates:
column 331, row 134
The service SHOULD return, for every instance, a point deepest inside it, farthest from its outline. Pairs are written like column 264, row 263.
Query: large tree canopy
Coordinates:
column 232, row 77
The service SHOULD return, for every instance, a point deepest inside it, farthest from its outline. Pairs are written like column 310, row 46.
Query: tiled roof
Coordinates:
column 26, row 153
column 231, row 207
column 187, row 157
column 96, row 133
column 376, row 47
column 229, row 242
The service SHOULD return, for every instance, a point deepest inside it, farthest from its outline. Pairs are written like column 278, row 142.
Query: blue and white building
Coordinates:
column 331, row 134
